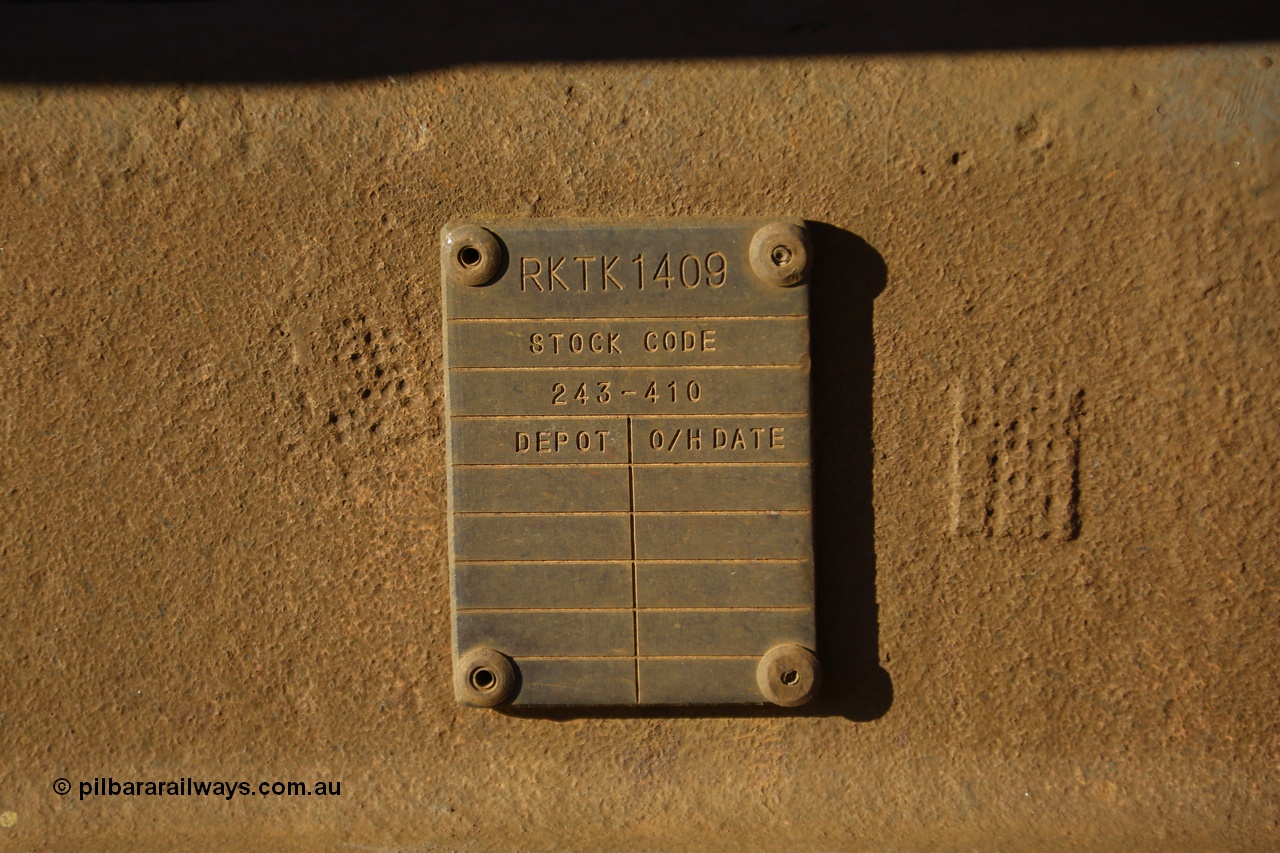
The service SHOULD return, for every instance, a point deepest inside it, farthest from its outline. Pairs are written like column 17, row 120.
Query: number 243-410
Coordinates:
column 604, row 392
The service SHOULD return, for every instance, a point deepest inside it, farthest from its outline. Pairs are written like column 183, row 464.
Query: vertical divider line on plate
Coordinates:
column 635, row 580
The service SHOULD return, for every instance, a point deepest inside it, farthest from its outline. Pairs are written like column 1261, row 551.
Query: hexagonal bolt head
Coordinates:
column 781, row 253
column 484, row 678
column 789, row 675
column 473, row 255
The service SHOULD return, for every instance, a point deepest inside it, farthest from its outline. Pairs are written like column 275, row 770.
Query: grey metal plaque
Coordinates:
column 629, row 473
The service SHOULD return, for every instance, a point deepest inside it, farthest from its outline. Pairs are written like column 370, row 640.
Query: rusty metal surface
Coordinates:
column 571, row 548
column 1043, row 433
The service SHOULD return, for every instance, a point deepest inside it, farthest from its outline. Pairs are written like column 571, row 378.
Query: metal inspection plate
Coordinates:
column 628, row 461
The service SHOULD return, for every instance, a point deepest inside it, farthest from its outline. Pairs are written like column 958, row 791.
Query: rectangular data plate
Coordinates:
column 628, row 460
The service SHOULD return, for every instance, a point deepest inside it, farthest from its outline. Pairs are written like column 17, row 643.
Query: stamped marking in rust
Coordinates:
column 630, row 492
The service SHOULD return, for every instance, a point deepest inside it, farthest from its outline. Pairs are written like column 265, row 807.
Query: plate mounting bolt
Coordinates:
column 484, row 678
column 789, row 675
column 781, row 253
column 473, row 255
